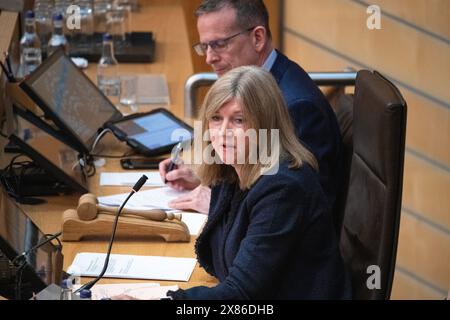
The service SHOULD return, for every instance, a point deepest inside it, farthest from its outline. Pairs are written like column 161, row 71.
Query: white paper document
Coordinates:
column 194, row 221
column 157, row 198
column 130, row 178
column 133, row 267
column 154, row 198
column 142, row 291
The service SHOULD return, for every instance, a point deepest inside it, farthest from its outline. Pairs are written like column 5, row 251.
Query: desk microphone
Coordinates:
column 135, row 189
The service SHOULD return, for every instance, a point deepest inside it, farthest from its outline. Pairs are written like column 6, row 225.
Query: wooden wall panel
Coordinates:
column 428, row 15
column 423, row 251
column 426, row 191
column 273, row 6
column 398, row 51
column 405, row 285
column 312, row 58
column 428, row 126
column 189, row 7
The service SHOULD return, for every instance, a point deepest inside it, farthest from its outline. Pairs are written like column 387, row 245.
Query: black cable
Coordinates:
column 88, row 167
column 14, row 159
column 57, row 239
column 23, row 260
column 91, row 172
column 13, row 182
column 97, row 140
column 8, row 171
column 48, row 238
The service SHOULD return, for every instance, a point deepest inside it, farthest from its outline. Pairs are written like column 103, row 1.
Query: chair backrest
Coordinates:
column 372, row 210
column 344, row 114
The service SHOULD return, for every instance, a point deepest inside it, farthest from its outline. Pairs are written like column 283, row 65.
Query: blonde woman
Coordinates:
column 269, row 233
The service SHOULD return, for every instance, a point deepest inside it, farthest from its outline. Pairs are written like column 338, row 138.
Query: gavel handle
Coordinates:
column 153, row 214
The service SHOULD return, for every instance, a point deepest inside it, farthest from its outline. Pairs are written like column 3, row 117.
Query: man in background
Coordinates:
column 235, row 33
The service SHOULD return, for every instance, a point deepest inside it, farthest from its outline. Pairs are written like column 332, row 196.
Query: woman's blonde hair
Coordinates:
column 263, row 107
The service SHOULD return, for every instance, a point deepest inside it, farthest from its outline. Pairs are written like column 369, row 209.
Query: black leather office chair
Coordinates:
column 371, row 220
column 344, row 114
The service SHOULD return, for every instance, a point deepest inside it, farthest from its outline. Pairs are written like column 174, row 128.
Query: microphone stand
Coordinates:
column 135, row 189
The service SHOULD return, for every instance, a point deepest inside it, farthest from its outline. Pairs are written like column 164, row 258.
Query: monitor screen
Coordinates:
column 70, row 99
column 57, row 158
column 18, row 234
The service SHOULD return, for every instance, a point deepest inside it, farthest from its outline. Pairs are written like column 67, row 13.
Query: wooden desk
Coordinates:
column 172, row 59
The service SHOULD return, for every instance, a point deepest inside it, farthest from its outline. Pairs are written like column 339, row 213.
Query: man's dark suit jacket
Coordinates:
column 314, row 120
column 275, row 241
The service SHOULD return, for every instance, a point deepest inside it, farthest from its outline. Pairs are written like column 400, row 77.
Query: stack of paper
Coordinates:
column 133, row 267
column 157, row 198
column 142, row 291
column 130, row 178
column 154, row 198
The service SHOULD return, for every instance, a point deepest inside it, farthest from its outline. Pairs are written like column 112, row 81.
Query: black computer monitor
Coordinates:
column 70, row 99
column 56, row 158
column 18, row 234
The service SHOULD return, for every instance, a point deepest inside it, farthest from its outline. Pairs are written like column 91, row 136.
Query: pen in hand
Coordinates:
column 175, row 159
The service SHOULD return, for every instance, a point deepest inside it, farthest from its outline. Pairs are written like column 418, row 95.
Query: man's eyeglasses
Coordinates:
column 217, row 45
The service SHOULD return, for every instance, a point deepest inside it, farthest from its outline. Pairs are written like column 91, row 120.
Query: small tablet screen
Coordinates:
column 154, row 131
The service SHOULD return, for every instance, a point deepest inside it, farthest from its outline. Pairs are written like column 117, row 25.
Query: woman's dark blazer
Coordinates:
column 279, row 242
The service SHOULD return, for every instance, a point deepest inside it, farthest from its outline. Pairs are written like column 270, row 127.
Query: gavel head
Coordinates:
column 87, row 207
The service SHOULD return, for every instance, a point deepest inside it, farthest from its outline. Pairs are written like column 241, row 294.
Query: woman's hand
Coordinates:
column 197, row 200
column 181, row 178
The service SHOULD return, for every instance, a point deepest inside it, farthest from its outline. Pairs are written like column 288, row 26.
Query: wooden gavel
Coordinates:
column 88, row 208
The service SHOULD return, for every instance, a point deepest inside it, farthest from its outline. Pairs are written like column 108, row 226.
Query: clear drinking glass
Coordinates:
column 101, row 8
column 115, row 25
column 126, row 7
